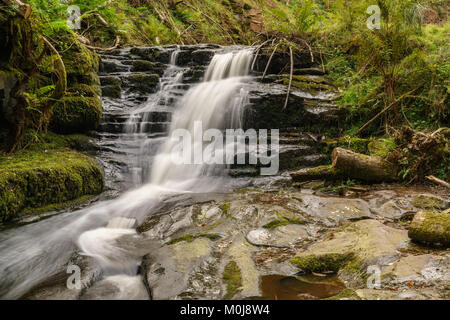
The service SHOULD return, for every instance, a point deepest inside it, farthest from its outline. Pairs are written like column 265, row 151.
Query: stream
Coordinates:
column 164, row 229
column 140, row 147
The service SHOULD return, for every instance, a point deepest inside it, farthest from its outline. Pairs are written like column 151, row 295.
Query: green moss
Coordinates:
column 233, row 279
column 84, row 90
column 76, row 114
column 381, row 147
column 112, row 91
column 225, row 207
column 35, row 179
column 357, row 145
column 275, row 224
column 79, row 60
column 283, row 220
column 192, row 237
column 427, row 202
column 143, row 83
column 322, row 263
column 347, row 294
column 431, row 228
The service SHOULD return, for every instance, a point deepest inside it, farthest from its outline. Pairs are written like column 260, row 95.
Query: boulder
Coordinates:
column 431, row 228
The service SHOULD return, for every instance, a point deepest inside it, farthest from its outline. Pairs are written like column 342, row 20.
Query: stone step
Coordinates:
column 153, row 116
column 144, row 127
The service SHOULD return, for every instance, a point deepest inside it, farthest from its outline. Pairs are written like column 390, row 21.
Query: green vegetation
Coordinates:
column 192, row 237
column 46, row 174
column 431, row 228
column 283, row 220
column 321, row 263
column 233, row 279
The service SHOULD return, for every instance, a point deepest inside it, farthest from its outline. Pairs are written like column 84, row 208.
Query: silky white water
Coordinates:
column 33, row 253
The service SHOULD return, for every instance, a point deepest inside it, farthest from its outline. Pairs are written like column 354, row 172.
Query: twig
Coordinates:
column 384, row 110
column 270, row 60
column 257, row 52
column 438, row 181
column 310, row 50
column 116, row 44
column 290, row 77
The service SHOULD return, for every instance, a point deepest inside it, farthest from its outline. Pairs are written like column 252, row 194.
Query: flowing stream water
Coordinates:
column 34, row 252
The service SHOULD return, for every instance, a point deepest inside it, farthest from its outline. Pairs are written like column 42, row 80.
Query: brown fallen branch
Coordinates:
column 290, row 77
column 270, row 60
column 23, row 9
column 116, row 44
column 438, row 181
column 310, row 50
column 384, row 110
column 258, row 49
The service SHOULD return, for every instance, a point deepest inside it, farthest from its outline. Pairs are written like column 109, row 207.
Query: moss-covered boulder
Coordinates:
column 76, row 114
column 142, row 83
column 352, row 249
column 81, row 109
column 431, row 228
column 112, row 91
column 38, row 179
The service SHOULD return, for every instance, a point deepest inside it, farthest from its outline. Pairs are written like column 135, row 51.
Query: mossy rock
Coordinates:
column 322, row 263
column 79, row 60
column 76, row 114
column 427, row 202
column 41, row 178
column 431, row 228
column 143, row 83
column 112, row 91
column 84, row 90
column 147, row 66
column 111, row 80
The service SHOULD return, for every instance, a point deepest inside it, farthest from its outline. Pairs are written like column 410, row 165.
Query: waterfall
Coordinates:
column 32, row 253
column 217, row 103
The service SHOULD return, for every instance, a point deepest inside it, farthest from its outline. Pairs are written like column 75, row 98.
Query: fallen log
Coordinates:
column 438, row 181
column 23, row 9
column 358, row 166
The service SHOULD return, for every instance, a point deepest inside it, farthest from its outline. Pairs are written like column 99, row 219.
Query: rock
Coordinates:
column 169, row 268
column 354, row 248
column 76, row 114
column 202, row 57
column 112, row 91
column 57, row 177
column 240, row 252
column 334, row 211
column 118, row 287
column 142, row 83
column 56, row 288
column 431, row 228
column 423, row 270
column 429, row 202
column 110, row 80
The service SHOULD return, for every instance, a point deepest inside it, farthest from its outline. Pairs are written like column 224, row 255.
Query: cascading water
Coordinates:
column 30, row 254
column 217, row 103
